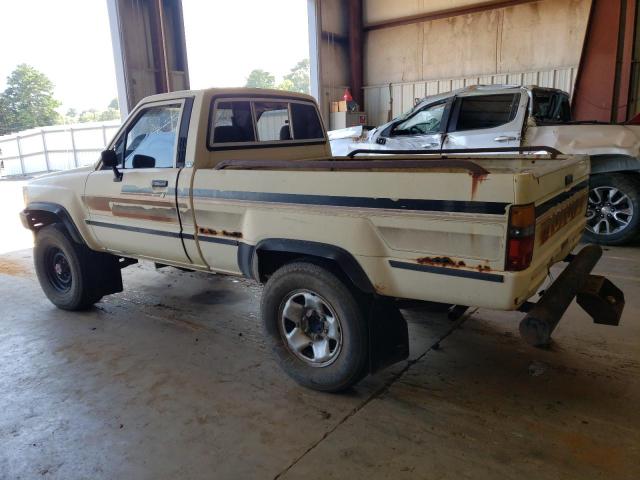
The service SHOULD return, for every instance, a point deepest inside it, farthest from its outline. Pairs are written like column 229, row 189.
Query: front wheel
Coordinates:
column 62, row 270
column 613, row 211
column 315, row 326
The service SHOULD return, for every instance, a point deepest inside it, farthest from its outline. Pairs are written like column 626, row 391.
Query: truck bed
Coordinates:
column 420, row 228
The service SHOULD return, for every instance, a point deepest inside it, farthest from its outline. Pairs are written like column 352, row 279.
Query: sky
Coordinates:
column 70, row 41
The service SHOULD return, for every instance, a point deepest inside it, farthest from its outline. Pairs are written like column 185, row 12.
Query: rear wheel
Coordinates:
column 62, row 273
column 315, row 326
column 613, row 211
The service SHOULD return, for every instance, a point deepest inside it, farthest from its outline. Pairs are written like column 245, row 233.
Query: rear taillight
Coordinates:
column 521, row 237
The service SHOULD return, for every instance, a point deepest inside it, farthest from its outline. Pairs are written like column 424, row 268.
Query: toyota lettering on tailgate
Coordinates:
column 565, row 214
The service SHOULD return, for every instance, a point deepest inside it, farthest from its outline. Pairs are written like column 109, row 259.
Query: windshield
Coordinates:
column 425, row 121
column 551, row 107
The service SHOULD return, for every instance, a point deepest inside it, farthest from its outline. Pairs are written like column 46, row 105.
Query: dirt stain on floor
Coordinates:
column 15, row 268
column 216, row 297
column 588, row 451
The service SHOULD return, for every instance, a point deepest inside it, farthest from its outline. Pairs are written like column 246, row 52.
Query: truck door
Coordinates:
column 138, row 214
column 486, row 121
column 422, row 130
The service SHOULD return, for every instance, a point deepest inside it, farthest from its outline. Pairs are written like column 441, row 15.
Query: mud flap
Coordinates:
column 388, row 334
column 103, row 272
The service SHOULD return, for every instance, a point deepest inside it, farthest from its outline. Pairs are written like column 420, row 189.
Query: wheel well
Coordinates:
column 626, row 173
column 269, row 262
column 271, row 255
column 614, row 163
column 38, row 215
column 41, row 218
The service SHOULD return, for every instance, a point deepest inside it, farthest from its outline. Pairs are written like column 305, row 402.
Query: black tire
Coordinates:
column 627, row 184
column 63, row 270
column 349, row 365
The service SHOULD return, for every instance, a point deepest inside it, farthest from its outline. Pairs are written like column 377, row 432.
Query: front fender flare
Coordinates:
column 32, row 218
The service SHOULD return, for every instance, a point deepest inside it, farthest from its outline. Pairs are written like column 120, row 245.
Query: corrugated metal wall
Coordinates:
column 400, row 97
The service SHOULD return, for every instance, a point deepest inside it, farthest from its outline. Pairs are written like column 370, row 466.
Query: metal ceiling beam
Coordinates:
column 453, row 12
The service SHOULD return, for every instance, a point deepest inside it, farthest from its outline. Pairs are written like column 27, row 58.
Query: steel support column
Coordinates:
column 314, row 48
column 356, row 51
column 149, row 48
column 602, row 85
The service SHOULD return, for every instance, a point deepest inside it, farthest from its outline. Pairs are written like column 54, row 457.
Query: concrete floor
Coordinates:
column 171, row 379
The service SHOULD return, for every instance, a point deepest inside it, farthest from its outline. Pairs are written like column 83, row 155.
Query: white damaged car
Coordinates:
column 512, row 116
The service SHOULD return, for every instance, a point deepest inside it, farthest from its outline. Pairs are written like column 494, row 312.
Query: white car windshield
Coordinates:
column 425, row 121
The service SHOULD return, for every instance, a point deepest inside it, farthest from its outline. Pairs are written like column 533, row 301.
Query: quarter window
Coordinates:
column 486, row 111
column 306, row 124
column 551, row 107
column 151, row 141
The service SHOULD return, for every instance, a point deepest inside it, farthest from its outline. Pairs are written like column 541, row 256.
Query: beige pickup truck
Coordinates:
column 241, row 182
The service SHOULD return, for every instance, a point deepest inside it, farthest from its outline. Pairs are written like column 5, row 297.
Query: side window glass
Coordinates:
column 272, row 121
column 487, row 111
column 306, row 124
column 426, row 121
column 151, row 141
column 232, row 122
column 551, row 107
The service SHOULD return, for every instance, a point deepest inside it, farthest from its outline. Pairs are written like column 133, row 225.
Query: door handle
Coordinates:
column 504, row 138
column 159, row 183
column 431, row 145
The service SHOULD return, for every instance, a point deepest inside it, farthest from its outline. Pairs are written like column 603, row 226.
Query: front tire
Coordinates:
column 62, row 270
column 315, row 326
column 613, row 211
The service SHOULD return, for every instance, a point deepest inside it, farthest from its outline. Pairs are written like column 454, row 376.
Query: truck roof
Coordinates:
column 240, row 91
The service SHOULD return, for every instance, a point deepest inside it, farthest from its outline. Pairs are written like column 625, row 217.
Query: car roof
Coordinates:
column 482, row 89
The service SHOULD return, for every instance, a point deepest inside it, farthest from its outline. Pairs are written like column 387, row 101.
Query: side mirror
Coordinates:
column 110, row 160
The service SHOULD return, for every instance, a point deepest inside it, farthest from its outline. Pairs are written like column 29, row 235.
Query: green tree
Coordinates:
column 260, row 79
column 298, row 77
column 113, row 104
column 90, row 115
column 27, row 101
column 286, row 84
column 109, row 114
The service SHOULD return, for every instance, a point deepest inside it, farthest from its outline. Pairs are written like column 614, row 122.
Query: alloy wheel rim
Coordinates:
column 609, row 211
column 310, row 327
